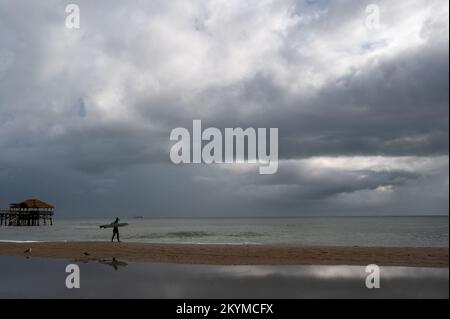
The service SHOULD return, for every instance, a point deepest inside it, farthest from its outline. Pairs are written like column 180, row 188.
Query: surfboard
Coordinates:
column 113, row 224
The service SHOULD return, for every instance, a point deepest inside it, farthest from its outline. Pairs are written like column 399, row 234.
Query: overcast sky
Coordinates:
column 362, row 112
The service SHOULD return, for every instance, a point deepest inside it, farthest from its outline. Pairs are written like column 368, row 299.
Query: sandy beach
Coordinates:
column 233, row 254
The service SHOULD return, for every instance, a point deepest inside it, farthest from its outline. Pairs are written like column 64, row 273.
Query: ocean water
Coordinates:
column 341, row 231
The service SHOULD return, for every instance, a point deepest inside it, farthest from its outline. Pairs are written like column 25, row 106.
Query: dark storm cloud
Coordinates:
column 322, row 186
column 395, row 108
column 85, row 115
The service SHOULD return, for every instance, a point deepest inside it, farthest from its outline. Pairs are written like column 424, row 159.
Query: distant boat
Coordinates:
column 138, row 217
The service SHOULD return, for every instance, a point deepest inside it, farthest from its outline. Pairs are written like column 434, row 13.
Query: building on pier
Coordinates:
column 32, row 212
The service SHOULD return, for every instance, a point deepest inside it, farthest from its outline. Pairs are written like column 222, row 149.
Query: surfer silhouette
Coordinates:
column 116, row 230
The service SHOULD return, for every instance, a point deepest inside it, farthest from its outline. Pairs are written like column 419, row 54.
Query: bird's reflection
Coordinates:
column 114, row 263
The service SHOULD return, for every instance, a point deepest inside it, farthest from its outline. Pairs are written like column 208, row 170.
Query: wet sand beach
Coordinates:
column 212, row 254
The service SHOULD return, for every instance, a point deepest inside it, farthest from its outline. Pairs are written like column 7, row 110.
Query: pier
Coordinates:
column 32, row 212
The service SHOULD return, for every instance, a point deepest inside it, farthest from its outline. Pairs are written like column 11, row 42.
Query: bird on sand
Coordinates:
column 27, row 251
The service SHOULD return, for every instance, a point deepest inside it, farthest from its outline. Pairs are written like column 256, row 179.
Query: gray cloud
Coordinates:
column 85, row 115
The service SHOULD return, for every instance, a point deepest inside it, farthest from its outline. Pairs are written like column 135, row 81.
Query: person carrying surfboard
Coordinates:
column 116, row 230
column 115, row 226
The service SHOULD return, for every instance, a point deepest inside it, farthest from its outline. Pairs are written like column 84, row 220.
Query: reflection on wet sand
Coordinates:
column 44, row 278
column 113, row 263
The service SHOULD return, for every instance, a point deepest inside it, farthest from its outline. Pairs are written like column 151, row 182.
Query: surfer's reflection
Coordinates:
column 114, row 263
